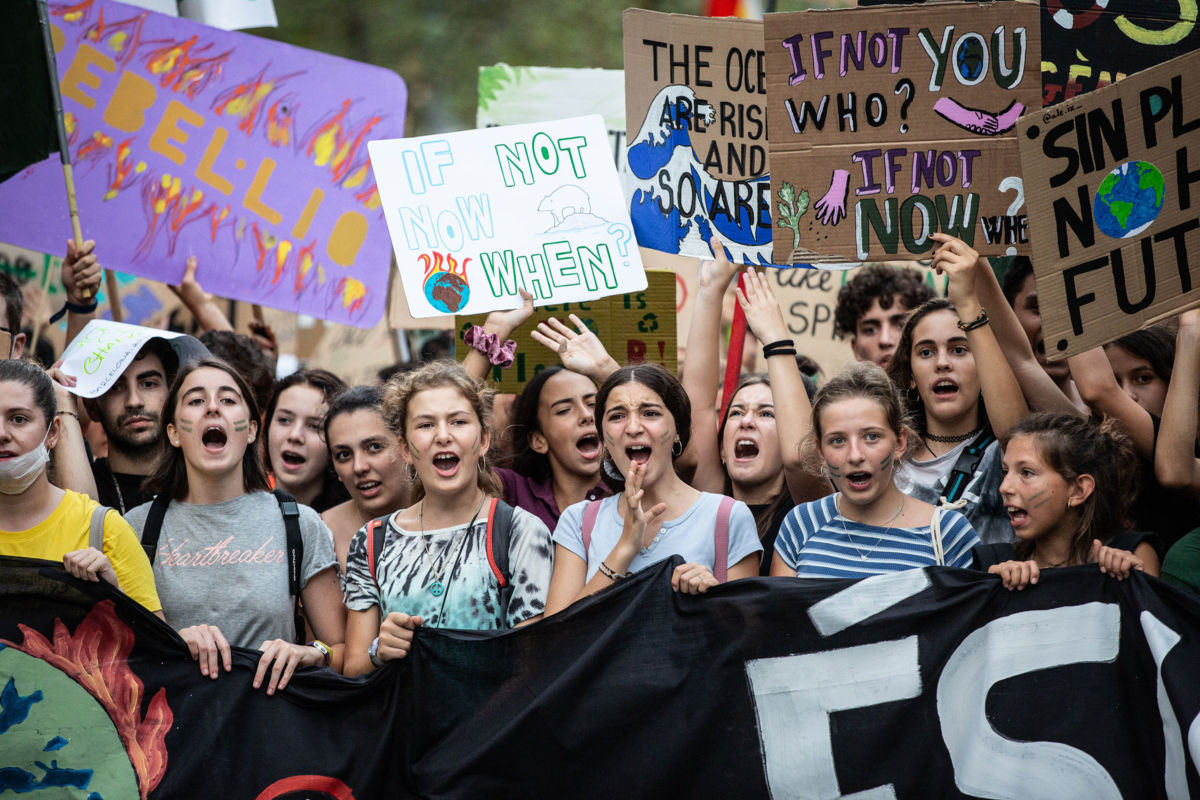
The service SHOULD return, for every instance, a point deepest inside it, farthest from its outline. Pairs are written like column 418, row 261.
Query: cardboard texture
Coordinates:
column 475, row 215
column 634, row 327
column 247, row 153
column 697, row 134
column 888, row 126
column 354, row 354
column 1110, row 179
column 1088, row 45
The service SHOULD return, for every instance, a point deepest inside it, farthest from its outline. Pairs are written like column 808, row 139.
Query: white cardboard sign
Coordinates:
column 476, row 214
column 102, row 351
column 232, row 15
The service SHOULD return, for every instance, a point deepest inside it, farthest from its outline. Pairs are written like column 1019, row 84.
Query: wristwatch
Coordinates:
column 373, row 653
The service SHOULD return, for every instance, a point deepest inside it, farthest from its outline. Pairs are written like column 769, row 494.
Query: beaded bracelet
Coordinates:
column 607, row 572
column 978, row 322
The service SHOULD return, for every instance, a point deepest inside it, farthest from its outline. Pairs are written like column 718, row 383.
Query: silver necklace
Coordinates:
column 438, row 587
column 887, row 526
column 117, row 486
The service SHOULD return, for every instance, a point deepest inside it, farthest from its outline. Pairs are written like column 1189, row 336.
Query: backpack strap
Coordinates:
column 965, row 466
column 376, row 530
column 590, row 513
column 153, row 526
column 499, row 528
column 721, row 540
column 295, row 552
column 499, row 536
column 935, row 532
column 96, row 528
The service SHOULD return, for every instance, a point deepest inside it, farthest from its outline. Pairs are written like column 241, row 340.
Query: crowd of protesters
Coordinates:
column 323, row 524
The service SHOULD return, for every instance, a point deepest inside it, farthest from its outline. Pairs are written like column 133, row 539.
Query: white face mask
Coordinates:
column 18, row 473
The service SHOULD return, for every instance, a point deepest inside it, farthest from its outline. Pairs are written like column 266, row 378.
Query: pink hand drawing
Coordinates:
column 831, row 208
column 977, row 121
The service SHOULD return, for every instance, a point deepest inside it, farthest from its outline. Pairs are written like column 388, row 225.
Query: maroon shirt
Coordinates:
column 538, row 497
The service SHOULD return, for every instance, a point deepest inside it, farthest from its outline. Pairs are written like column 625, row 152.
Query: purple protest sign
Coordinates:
column 247, row 153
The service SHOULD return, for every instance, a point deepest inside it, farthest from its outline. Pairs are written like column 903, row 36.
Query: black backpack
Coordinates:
column 291, row 525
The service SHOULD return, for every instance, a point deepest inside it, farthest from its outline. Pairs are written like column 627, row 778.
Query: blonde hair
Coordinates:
column 400, row 390
column 860, row 379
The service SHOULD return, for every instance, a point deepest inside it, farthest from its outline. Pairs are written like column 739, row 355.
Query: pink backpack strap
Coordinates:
column 721, row 540
column 590, row 512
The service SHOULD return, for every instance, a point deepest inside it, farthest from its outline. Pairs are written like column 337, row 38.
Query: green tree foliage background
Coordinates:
column 437, row 46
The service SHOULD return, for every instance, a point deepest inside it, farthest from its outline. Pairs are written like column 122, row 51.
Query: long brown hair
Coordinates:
column 1073, row 446
column 170, row 472
column 900, row 367
column 765, row 516
column 398, row 395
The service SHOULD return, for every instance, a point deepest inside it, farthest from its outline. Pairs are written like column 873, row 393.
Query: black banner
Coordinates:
column 928, row 683
column 27, row 126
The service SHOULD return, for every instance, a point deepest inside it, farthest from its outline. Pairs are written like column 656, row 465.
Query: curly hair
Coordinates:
column 398, row 395
column 1074, row 446
column 877, row 282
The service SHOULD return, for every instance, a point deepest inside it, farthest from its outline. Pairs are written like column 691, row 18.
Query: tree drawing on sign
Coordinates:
column 792, row 207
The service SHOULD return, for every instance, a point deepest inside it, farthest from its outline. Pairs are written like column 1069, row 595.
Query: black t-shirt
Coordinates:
column 118, row 490
column 768, row 538
column 989, row 555
column 1169, row 514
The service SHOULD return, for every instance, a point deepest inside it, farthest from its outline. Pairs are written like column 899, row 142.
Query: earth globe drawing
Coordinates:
column 1129, row 199
column 56, row 740
column 970, row 59
column 447, row 291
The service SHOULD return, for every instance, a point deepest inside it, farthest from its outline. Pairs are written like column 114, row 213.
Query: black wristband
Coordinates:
column 782, row 347
column 74, row 308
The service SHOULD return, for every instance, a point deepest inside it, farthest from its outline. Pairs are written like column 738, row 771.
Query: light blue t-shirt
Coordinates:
column 818, row 542
column 691, row 535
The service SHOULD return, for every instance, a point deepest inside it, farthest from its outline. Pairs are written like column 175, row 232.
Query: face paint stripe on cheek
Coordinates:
column 886, row 462
column 241, row 424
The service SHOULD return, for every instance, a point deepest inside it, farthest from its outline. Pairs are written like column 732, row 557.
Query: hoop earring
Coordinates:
column 677, row 448
column 610, row 469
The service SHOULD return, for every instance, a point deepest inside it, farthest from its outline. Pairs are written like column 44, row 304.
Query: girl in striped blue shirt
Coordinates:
column 868, row 526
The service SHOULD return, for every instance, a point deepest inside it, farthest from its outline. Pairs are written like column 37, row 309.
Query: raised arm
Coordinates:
column 80, row 276
column 1097, row 385
column 70, row 467
column 206, row 312
column 501, row 324
column 1001, row 392
column 793, row 414
column 1040, row 390
column 579, row 350
column 1175, row 462
column 701, row 372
